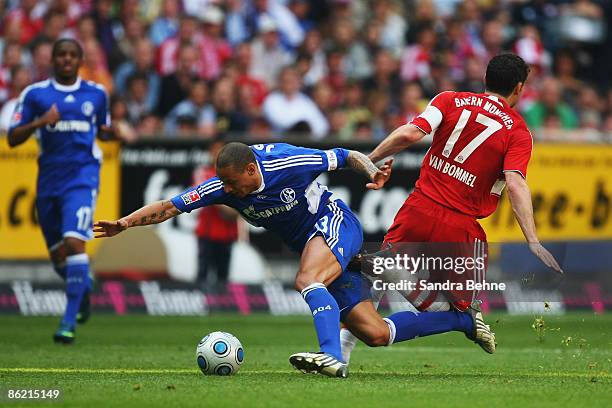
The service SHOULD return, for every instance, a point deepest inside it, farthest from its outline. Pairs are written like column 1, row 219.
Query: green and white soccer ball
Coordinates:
column 219, row 353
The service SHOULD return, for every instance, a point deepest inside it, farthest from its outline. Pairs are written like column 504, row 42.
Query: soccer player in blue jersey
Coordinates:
column 273, row 186
column 66, row 114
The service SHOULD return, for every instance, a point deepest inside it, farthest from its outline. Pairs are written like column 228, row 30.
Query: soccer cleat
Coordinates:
column 64, row 335
column 321, row 363
column 482, row 334
column 84, row 309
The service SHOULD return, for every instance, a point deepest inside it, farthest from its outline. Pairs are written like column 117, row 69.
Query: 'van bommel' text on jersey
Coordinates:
column 289, row 201
column 69, row 156
column 476, row 137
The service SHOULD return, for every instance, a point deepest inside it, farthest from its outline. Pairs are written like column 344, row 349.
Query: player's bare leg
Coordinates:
column 318, row 268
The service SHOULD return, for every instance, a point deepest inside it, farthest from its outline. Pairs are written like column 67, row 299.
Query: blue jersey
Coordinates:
column 289, row 202
column 69, row 157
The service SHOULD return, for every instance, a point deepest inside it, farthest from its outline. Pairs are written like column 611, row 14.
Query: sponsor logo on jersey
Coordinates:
column 87, row 108
column 191, row 197
column 253, row 214
column 287, row 195
column 69, row 126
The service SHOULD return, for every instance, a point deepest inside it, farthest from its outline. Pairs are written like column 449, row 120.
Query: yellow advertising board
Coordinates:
column 571, row 187
column 20, row 235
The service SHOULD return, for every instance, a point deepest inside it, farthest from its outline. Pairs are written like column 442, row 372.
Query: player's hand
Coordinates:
column 107, row 229
column 381, row 176
column 545, row 256
column 111, row 132
column 51, row 116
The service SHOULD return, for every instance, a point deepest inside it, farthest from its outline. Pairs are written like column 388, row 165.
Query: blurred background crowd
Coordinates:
column 349, row 69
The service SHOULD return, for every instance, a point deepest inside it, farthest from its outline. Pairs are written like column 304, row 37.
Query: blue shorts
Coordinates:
column 67, row 215
column 343, row 234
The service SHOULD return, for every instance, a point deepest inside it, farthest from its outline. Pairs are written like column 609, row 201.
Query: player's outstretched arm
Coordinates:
column 153, row 213
column 362, row 164
column 398, row 140
column 21, row 133
column 520, row 198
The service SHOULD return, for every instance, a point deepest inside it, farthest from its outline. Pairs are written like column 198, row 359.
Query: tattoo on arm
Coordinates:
column 361, row 164
column 155, row 217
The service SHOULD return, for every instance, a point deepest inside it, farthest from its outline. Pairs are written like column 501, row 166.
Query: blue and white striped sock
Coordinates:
column 326, row 315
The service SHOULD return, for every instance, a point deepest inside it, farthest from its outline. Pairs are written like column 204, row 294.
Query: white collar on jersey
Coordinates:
column 263, row 182
column 67, row 88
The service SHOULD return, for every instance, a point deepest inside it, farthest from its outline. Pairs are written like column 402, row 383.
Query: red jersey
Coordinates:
column 212, row 225
column 476, row 138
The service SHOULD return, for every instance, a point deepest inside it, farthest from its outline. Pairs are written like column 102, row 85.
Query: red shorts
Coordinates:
column 422, row 220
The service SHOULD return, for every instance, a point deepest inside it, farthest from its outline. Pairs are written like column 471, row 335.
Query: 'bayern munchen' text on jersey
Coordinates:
column 289, row 201
column 476, row 138
column 69, row 156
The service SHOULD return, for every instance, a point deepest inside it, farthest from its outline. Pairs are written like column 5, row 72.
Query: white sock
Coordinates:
column 347, row 342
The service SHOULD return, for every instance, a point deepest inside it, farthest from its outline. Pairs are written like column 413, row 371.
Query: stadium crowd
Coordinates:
column 350, row 69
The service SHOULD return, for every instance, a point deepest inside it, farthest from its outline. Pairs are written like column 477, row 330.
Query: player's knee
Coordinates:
column 303, row 280
column 378, row 338
column 74, row 246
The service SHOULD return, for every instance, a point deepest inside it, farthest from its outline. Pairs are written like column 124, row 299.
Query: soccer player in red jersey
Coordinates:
column 480, row 146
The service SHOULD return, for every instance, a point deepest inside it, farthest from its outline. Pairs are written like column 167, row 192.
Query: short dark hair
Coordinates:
column 504, row 72
column 61, row 41
column 235, row 154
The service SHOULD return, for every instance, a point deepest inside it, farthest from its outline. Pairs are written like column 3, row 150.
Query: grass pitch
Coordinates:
column 149, row 361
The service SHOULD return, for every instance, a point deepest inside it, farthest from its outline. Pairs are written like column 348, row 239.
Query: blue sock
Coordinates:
column 77, row 271
column 60, row 269
column 408, row 325
column 326, row 316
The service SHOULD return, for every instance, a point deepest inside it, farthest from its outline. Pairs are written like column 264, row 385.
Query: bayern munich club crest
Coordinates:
column 87, row 108
column 287, row 195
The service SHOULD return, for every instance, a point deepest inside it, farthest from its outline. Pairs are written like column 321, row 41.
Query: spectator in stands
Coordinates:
column 287, row 106
column 236, row 29
column 269, row 57
column 565, row 71
column 132, row 32
column 258, row 12
column 20, row 78
column 24, row 15
column 175, row 87
column 168, row 53
column 356, row 63
column 393, row 27
column 136, row 97
column 385, row 77
column 141, row 63
column 217, row 230
column 41, row 60
column 85, row 30
column 54, row 26
column 214, row 50
column 104, row 25
column 412, row 103
column 120, row 118
column 312, row 47
column 417, row 58
column 244, row 60
column 166, row 24
column 225, row 118
column 473, row 72
column 94, row 66
column 11, row 58
column 196, row 106
column 550, row 111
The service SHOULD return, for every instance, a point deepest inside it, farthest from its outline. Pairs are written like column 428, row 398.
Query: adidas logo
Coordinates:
column 69, row 99
column 341, row 250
